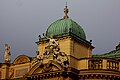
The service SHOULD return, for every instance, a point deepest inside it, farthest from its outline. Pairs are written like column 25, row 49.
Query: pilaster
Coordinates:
column 5, row 71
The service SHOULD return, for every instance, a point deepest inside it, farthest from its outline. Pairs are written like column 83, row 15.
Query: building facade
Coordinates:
column 63, row 54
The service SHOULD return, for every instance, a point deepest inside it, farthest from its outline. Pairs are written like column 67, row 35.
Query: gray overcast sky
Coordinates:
column 21, row 21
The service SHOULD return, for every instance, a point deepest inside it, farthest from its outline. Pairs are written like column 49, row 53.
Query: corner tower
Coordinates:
column 71, row 38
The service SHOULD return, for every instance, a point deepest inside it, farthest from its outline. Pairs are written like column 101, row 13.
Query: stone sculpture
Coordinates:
column 53, row 49
column 7, row 54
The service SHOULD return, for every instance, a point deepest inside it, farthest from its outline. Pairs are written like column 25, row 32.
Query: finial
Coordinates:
column 66, row 10
column 66, row 3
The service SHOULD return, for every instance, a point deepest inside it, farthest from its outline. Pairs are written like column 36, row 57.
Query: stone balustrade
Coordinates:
column 101, row 63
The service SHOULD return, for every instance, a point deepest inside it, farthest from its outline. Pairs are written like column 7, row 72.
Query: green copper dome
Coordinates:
column 65, row 26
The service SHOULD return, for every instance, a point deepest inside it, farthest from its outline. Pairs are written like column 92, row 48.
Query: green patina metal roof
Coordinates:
column 112, row 54
column 65, row 26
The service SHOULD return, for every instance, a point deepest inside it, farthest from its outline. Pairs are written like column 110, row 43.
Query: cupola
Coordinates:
column 65, row 26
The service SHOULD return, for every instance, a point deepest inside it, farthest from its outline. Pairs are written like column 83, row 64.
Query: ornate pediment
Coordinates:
column 51, row 66
column 21, row 59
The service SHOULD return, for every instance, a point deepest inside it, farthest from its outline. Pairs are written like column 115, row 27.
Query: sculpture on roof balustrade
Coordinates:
column 7, row 54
